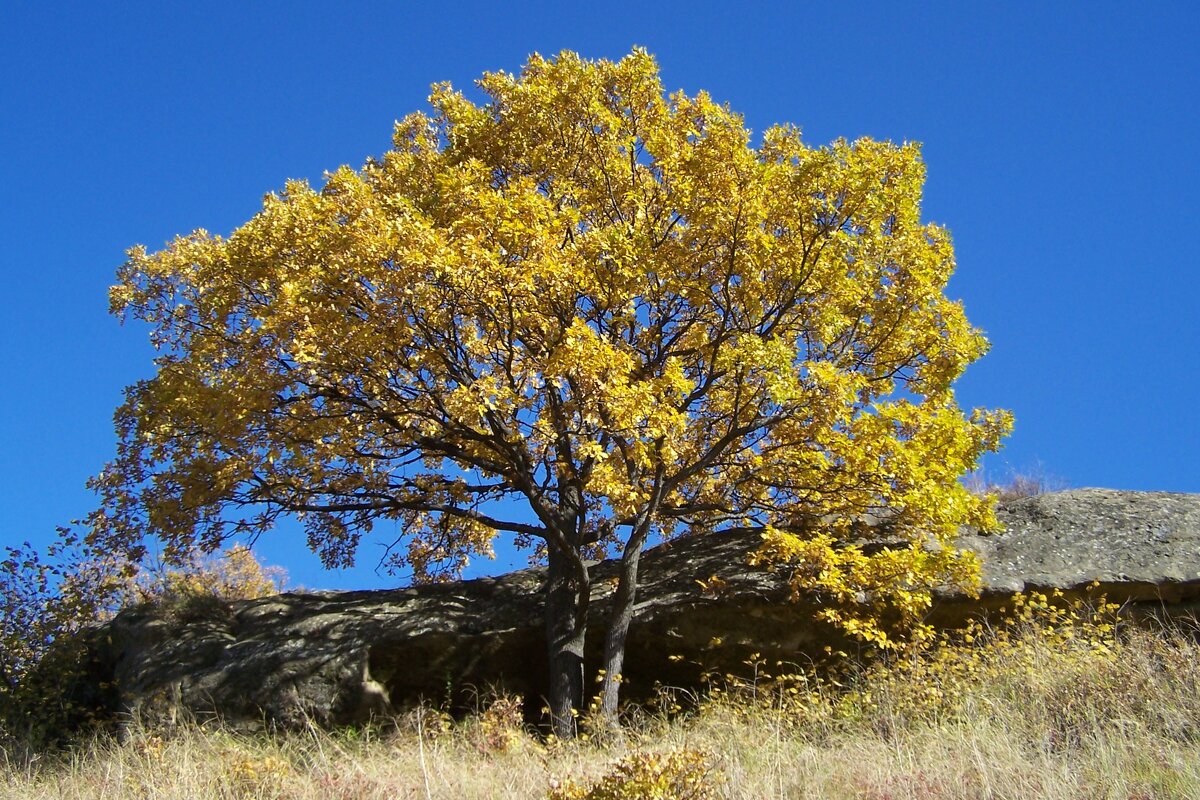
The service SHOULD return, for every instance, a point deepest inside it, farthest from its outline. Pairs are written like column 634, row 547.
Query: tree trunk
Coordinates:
column 566, row 630
column 618, row 630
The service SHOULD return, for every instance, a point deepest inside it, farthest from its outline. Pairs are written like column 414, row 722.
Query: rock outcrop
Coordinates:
column 337, row 658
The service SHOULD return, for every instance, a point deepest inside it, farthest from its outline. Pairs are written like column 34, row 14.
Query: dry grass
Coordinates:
column 1050, row 707
column 1014, row 484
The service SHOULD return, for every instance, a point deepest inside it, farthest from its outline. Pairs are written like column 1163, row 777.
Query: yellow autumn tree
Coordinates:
column 580, row 314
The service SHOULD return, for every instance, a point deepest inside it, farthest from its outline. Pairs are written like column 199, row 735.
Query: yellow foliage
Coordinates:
column 676, row 775
column 935, row 673
column 1038, row 642
column 47, row 600
column 585, row 275
column 501, row 726
column 233, row 574
column 254, row 776
column 610, row 304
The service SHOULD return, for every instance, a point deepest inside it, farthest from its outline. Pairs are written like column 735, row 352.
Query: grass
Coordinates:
column 1051, row 703
column 1015, row 484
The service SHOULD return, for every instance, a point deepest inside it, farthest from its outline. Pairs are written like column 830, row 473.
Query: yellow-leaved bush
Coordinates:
column 231, row 574
column 1037, row 644
column 606, row 305
column 675, row 775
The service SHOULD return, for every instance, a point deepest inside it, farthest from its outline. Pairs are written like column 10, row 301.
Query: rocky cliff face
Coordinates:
column 337, row 658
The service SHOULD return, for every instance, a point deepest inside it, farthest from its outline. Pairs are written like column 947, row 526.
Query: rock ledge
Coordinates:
column 336, row 658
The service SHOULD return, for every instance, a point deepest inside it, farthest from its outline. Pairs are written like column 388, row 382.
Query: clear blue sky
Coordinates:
column 1061, row 142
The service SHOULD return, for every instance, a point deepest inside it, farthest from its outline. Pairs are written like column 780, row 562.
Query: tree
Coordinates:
column 585, row 296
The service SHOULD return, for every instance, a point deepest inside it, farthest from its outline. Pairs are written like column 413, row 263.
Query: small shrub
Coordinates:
column 427, row 723
column 45, row 601
column 677, row 775
column 934, row 676
column 256, row 776
column 48, row 599
column 1018, row 484
column 233, row 574
column 501, row 726
column 1041, row 647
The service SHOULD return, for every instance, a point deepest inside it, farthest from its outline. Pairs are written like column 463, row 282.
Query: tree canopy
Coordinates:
column 585, row 295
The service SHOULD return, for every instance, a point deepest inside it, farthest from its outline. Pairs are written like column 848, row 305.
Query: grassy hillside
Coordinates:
column 1051, row 703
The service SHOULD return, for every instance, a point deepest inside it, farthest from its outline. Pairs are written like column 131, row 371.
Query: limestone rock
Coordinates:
column 335, row 658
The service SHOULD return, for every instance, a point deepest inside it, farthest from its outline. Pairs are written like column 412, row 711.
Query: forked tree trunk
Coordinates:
column 566, row 631
column 618, row 632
